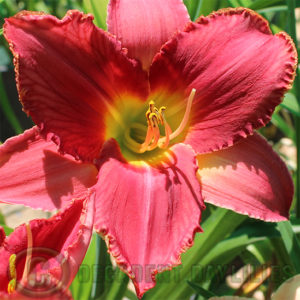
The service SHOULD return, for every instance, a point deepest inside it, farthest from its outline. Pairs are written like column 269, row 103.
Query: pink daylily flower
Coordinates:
column 41, row 259
column 160, row 114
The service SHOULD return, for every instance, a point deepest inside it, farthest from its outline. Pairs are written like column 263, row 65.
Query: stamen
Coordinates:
column 12, row 266
column 28, row 255
column 168, row 130
column 185, row 119
column 12, row 286
column 155, row 130
column 12, row 273
column 148, row 139
column 154, row 118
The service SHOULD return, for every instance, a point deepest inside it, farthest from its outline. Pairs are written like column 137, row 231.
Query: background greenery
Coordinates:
column 230, row 241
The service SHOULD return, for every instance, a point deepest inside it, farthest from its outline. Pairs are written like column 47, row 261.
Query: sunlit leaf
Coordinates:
column 272, row 9
column 291, row 243
column 291, row 104
column 278, row 121
column 259, row 4
column 98, row 8
column 82, row 284
column 7, row 229
column 219, row 225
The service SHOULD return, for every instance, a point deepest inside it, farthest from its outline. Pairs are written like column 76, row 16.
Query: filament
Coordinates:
column 28, row 255
column 185, row 119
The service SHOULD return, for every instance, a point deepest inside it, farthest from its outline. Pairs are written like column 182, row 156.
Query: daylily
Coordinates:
column 40, row 259
column 165, row 123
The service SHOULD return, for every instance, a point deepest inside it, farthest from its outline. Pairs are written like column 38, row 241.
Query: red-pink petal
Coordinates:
column 143, row 26
column 149, row 213
column 248, row 178
column 70, row 74
column 59, row 245
column 2, row 235
column 239, row 69
column 33, row 173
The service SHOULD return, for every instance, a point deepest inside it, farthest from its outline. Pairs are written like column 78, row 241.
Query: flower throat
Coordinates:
column 156, row 117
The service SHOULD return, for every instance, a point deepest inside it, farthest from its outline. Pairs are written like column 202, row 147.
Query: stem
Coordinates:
column 7, row 109
column 292, row 31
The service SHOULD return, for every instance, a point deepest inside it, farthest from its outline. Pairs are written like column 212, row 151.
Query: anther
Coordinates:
column 12, row 264
column 12, row 286
column 155, row 117
column 12, row 273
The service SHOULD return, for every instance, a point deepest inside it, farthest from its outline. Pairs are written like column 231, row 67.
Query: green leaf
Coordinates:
column 285, row 268
column 259, row 4
column 118, row 287
column 278, row 121
column 290, row 103
column 261, row 250
column 1, row 31
column 82, row 284
column 245, row 3
column 4, row 57
column 7, row 229
column 191, row 6
column 98, row 8
column 291, row 243
column 201, row 291
column 295, row 224
column 130, row 295
column 239, row 3
column 216, row 227
column 7, row 109
column 272, row 9
column 99, row 272
column 2, row 220
column 10, row 6
column 204, row 7
column 275, row 29
column 246, row 235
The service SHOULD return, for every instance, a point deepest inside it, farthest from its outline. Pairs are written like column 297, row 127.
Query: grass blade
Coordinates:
column 98, row 8
column 291, row 243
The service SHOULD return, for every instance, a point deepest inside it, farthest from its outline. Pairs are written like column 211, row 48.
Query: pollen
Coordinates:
column 12, row 273
column 12, row 286
column 156, row 117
